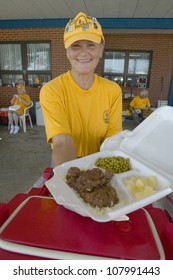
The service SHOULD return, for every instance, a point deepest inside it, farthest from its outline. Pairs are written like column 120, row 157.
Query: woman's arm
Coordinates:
column 13, row 99
column 63, row 149
column 23, row 100
column 131, row 109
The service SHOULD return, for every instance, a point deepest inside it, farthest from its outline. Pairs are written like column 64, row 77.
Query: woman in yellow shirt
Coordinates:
column 80, row 108
column 21, row 100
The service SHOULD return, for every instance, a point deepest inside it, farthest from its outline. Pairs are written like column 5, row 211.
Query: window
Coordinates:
column 128, row 68
column 114, row 62
column 27, row 61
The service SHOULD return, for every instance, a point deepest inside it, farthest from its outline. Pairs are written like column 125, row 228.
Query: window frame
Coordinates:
column 125, row 75
column 24, row 72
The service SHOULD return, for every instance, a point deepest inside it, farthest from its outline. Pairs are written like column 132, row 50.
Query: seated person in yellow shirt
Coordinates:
column 21, row 100
column 138, row 104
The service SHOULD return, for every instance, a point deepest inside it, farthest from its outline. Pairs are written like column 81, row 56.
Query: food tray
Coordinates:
column 66, row 196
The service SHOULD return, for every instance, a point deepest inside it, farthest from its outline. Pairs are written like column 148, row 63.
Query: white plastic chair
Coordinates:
column 22, row 119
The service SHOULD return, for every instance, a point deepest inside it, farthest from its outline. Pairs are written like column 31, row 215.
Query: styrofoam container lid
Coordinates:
column 152, row 141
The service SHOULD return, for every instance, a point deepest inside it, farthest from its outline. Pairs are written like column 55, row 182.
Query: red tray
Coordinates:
column 40, row 223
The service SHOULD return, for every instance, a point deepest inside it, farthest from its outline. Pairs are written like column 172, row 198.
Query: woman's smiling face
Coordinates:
column 84, row 56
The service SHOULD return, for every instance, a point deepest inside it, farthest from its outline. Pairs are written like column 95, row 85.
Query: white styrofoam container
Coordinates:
column 150, row 150
column 152, row 142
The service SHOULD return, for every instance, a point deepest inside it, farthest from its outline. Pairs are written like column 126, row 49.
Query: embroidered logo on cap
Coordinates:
column 81, row 22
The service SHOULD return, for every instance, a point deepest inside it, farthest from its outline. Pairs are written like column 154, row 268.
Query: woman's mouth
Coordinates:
column 83, row 60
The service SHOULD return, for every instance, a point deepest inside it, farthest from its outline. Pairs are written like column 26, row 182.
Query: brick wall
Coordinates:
column 160, row 44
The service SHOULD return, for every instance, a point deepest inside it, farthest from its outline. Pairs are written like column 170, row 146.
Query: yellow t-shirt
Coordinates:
column 140, row 103
column 26, row 97
column 89, row 116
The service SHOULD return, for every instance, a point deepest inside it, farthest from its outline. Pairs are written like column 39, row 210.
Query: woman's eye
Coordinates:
column 75, row 46
column 92, row 45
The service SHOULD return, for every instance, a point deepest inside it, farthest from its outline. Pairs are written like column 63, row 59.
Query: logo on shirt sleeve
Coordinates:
column 106, row 116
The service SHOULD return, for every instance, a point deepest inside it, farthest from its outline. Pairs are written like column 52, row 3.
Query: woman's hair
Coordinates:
column 144, row 93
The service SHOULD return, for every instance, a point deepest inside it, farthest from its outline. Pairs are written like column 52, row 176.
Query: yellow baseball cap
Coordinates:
column 83, row 27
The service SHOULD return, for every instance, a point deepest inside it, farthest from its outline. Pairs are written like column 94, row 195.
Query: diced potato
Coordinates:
column 148, row 190
column 152, row 181
column 139, row 195
column 141, row 186
column 130, row 185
